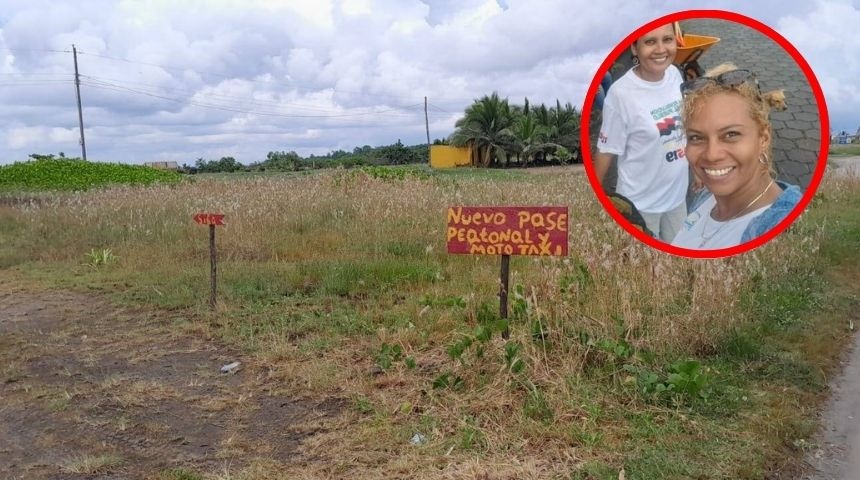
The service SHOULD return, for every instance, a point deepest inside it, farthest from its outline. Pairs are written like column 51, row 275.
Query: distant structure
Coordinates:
column 844, row 137
column 163, row 165
column 446, row 156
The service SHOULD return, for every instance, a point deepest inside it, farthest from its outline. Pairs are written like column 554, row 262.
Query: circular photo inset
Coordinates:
column 705, row 133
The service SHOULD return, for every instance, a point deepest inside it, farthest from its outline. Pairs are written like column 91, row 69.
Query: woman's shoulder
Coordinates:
column 790, row 193
column 624, row 82
column 675, row 74
column 630, row 88
column 779, row 209
column 698, row 199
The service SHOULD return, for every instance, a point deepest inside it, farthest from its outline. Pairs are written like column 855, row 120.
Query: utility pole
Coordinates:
column 80, row 112
column 426, row 122
column 427, row 125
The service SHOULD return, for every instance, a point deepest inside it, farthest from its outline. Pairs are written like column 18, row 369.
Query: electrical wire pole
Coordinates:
column 80, row 112
column 427, row 124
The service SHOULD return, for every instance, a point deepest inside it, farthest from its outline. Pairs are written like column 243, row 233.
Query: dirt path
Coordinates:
column 837, row 456
column 92, row 390
column 837, row 452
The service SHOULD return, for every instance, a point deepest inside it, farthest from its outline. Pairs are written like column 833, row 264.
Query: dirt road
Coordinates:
column 836, row 452
column 92, row 389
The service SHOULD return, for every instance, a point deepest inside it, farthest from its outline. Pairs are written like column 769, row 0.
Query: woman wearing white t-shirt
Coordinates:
column 729, row 146
column 642, row 128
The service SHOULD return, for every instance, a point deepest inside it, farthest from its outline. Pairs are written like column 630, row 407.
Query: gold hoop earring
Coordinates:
column 764, row 160
column 635, row 59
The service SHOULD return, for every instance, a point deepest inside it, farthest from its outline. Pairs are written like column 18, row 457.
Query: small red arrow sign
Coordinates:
column 209, row 218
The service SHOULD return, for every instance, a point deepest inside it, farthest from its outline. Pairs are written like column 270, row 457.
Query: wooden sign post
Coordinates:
column 211, row 219
column 507, row 231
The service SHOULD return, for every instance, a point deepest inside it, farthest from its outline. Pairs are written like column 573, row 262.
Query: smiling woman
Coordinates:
column 639, row 129
column 729, row 145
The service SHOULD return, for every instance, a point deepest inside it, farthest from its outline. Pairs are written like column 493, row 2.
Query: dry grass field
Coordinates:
column 369, row 352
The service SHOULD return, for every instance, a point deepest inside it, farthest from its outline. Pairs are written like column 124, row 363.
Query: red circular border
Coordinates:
column 810, row 189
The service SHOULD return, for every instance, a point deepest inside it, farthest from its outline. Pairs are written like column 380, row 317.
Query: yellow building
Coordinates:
column 446, row 156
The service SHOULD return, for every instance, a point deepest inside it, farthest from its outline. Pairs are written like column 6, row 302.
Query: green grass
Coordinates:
column 179, row 474
column 771, row 370
column 324, row 276
column 594, row 470
column 367, row 277
column 844, row 150
column 76, row 174
column 12, row 231
column 495, row 174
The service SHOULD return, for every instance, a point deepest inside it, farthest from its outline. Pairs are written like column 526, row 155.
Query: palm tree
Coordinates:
column 530, row 137
column 561, row 125
column 566, row 126
column 486, row 128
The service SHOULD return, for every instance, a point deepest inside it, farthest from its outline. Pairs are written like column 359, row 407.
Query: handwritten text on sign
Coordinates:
column 209, row 218
column 507, row 230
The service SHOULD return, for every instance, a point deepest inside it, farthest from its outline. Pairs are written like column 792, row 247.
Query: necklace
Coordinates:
column 706, row 238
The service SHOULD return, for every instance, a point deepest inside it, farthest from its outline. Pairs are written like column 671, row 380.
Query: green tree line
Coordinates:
column 498, row 133
column 290, row 161
column 501, row 134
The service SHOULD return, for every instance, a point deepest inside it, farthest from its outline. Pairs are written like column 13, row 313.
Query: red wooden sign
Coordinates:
column 209, row 218
column 508, row 230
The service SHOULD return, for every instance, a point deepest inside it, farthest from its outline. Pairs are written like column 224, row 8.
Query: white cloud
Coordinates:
column 827, row 38
column 164, row 78
column 356, row 7
column 303, row 65
column 22, row 137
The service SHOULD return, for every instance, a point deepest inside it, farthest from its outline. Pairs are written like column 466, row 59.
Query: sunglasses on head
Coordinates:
column 728, row 79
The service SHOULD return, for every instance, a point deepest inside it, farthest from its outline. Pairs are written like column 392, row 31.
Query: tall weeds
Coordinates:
column 309, row 233
column 353, row 265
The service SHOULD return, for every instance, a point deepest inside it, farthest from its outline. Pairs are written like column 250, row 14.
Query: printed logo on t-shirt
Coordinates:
column 691, row 220
column 667, row 110
column 668, row 123
column 603, row 138
column 670, row 135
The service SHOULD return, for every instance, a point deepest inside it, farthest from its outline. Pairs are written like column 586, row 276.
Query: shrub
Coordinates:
column 50, row 173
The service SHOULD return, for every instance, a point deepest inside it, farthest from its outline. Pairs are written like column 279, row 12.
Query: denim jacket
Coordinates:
column 784, row 204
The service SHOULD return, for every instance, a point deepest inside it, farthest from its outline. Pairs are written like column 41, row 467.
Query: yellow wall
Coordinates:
column 446, row 156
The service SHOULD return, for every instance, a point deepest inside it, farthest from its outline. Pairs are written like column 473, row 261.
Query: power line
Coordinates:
column 267, row 82
column 440, row 109
column 229, row 77
column 97, row 82
column 209, row 95
column 30, row 83
column 294, row 85
column 227, row 108
column 13, row 50
column 209, row 100
column 109, row 86
column 22, row 74
column 166, row 67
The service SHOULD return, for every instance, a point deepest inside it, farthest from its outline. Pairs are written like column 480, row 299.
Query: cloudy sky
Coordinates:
column 181, row 80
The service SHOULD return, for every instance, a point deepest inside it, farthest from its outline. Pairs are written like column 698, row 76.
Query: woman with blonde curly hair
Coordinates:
column 729, row 145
